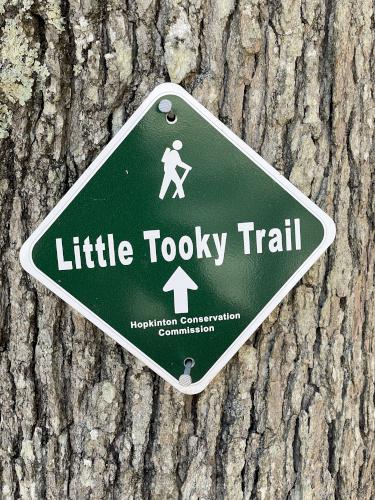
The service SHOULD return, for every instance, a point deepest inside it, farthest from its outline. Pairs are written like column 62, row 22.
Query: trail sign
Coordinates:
column 178, row 240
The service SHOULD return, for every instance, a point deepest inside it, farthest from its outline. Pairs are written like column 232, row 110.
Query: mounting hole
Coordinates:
column 171, row 118
column 189, row 360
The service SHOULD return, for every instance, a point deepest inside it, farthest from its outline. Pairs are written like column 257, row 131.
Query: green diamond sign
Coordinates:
column 178, row 240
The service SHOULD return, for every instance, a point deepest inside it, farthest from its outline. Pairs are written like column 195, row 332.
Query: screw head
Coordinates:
column 165, row 106
column 185, row 380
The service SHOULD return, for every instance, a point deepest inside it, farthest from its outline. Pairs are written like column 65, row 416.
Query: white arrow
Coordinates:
column 180, row 283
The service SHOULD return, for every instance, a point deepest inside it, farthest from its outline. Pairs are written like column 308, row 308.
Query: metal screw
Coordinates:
column 165, row 106
column 185, row 378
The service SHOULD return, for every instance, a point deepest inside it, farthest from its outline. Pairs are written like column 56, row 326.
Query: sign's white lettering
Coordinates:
column 105, row 251
column 278, row 240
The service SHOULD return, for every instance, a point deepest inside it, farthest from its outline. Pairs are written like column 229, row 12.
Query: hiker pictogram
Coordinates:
column 171, row 159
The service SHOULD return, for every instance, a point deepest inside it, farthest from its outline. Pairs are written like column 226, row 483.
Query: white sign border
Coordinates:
column 160, row 91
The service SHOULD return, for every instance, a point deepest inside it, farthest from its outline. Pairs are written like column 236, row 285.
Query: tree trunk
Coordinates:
column 292, row 415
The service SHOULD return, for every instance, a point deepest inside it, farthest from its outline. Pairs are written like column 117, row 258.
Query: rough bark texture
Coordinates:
column 292, row 415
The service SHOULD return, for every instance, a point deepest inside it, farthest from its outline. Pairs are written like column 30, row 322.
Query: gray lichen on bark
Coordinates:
column 292, row 415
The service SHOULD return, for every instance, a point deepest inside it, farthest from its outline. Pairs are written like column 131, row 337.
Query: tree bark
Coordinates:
column 292, row 415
